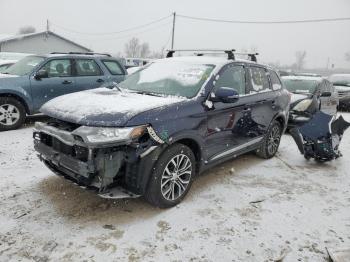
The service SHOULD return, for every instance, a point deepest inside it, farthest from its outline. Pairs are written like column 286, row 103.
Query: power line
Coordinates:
column 111, row 33
column 154, row 28
column 266, row 22
column 141, row 32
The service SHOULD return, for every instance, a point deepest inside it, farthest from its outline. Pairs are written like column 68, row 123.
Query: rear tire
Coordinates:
column 271, row 142
column 12, row 113
column 172, row 177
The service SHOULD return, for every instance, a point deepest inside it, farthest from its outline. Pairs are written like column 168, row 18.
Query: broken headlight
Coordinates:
column 109, row 134
column 302, row 105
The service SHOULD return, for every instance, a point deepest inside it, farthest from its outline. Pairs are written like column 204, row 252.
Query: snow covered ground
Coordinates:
column 247, row 209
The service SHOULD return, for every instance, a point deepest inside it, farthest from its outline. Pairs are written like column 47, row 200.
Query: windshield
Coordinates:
column 169, row 78
column 24, row 66
column 342, row 80
column 300, row 86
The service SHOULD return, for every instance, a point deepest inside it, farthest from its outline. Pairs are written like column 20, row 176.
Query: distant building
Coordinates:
column 39, row 43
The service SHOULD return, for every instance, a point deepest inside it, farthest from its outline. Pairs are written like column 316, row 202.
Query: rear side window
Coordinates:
column 275, row 81
column 58, row 68
column 113, row 67
column 232, row 77
column 259, row 80
column 87, row 67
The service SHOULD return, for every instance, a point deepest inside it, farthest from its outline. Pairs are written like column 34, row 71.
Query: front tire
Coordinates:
column 12, row 113
column 271, row 142
column 172, row 177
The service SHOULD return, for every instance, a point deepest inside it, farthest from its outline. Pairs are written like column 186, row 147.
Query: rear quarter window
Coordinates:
column 258, row 80
column 113, row 67
column 275, row 80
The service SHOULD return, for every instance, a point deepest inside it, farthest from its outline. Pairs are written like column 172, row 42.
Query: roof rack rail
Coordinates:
column 230, row 52
column 252, row 56
column 81, row 53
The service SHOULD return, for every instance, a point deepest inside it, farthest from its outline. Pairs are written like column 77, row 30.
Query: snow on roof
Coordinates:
column 7, row 38
column 303, row 78
column 340, row 75
column 4, row 37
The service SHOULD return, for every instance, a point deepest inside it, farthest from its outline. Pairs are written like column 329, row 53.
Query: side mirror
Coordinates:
column 42, row 73
column 326, row 94
column 224, row 95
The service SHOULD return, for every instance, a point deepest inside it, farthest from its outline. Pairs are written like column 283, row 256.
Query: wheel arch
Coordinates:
column 19, row 98
column 195, row 147
column 280, row 118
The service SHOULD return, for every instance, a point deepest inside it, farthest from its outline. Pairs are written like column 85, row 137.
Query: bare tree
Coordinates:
column 300, row 59
column 158, row 54
column 132, row 48
column 347, row 56
column 26, row 30
column 144, row 50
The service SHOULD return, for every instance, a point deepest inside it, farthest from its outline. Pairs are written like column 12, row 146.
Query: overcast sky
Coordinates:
column 276, row 43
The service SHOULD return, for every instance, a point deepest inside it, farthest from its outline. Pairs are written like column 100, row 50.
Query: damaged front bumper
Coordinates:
column 116, row 163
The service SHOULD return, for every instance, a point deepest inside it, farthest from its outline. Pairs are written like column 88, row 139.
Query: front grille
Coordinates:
column 78, row 152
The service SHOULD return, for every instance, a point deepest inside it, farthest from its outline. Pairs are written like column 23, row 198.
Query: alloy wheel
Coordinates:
column 9, row 114
column 274, row 140
column 176, row 177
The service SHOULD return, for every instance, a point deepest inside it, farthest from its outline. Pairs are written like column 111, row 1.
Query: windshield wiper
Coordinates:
column 147, row 93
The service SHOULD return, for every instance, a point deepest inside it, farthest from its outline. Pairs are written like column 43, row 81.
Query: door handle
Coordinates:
column 66, row 82
column 100, row 80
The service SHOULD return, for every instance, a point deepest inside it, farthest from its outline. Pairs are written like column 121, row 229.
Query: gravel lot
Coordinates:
column 247, row 209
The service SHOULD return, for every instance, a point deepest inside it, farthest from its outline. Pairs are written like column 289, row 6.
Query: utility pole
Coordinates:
column 327, row 63
column 173, row 33
column 47, row 25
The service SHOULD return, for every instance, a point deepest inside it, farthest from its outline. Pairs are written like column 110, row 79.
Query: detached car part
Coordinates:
column 320, row 137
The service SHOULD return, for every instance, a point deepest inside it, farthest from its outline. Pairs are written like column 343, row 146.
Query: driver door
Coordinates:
column 58, row 81
column 227, row 122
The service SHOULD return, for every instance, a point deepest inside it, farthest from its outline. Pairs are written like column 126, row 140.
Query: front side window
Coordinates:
column 24, row 66
column 232, row 77
column 58, row 68
column 259, row 80
column 113, row 67
column 176, row 78
column 275, row 81
column 87, row 67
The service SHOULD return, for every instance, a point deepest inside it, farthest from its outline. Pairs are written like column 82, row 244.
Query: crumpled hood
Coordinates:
column 103, row 106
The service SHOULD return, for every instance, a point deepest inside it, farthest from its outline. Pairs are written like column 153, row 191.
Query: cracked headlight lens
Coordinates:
column 108, row 134
column 302, row 105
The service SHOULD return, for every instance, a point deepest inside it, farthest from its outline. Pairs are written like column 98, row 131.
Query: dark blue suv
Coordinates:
column 34, row 80
column 154, row 132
